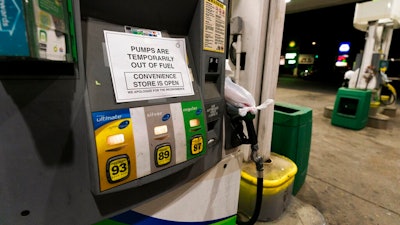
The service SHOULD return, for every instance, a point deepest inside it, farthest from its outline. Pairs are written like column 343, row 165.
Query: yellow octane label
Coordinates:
column 117, row 169
column 196, row 144
column 163, row 155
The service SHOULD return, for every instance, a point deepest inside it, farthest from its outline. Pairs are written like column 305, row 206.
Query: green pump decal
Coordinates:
column 134, row 218
column 195, row 127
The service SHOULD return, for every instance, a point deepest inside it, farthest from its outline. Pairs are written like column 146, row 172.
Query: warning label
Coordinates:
column 152, row 66
column 214, row 26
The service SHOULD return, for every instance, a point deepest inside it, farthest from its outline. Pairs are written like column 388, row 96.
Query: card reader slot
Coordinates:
column 213, row 63
column 212, row 77
column 211, row 125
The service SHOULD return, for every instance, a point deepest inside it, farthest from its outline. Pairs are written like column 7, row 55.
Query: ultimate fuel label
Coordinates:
column 115, row 147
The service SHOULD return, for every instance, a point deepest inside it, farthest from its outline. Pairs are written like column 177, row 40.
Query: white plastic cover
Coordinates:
column 241, row 98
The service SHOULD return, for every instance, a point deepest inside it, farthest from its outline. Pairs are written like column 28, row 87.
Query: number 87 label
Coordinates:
column 118, row 168
column 196, row 144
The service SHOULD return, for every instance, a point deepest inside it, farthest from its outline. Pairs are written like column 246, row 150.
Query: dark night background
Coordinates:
column 328, row 27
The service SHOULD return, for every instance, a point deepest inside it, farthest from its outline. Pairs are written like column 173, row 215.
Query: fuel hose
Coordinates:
column 257, row 209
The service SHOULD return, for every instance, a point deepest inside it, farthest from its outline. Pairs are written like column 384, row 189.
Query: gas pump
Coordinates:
column 377, row 19
column 100, row 140
column 167, row 84
column 139, row 117
column 133, row 131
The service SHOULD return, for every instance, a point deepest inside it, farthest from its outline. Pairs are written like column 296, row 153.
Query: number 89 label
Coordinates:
column 118, row 168
column 163, row 155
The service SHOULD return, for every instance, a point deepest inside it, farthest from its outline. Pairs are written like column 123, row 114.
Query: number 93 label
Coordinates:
column 118, row 168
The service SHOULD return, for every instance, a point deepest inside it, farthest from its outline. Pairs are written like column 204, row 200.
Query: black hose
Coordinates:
column 256, row 212
column 233, row 112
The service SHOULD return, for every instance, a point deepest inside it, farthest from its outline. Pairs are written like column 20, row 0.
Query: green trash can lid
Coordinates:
column 291, row 115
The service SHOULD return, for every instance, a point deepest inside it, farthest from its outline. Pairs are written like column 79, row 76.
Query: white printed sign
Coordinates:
column 144, row 67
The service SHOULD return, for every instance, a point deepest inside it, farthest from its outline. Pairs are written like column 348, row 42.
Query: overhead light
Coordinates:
column 287, row 1
column 290, row 55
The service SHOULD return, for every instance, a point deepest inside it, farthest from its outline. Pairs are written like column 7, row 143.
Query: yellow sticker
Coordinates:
column 163, row 155
column 214, row 26
column 196, row 144
column 118, row 168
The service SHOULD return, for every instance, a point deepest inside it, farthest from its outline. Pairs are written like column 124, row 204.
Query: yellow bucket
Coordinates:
column 373, row 108
column 278, row 181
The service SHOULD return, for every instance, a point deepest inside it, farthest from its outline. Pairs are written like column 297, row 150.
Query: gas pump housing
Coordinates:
column 59, row 110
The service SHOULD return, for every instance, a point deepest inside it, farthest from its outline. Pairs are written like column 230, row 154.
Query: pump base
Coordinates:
column 379, row 120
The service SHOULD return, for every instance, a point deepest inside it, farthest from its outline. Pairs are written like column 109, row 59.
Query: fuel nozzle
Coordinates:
column 251, row 137
column 253, row 141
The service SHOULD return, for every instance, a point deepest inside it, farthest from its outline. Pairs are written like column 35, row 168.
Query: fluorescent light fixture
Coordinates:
column 290, row 55
column 340, row 64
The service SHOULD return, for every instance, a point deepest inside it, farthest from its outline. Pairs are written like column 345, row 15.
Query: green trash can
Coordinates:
column 351, row 108
column 291, row 137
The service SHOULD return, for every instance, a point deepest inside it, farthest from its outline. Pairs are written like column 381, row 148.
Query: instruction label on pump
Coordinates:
column 144, row 67
column 214, row 26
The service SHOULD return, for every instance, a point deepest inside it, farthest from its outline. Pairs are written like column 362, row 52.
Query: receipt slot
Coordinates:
column 155, row 94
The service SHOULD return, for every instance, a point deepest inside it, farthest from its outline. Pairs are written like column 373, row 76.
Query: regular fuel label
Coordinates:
column 144, row 67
